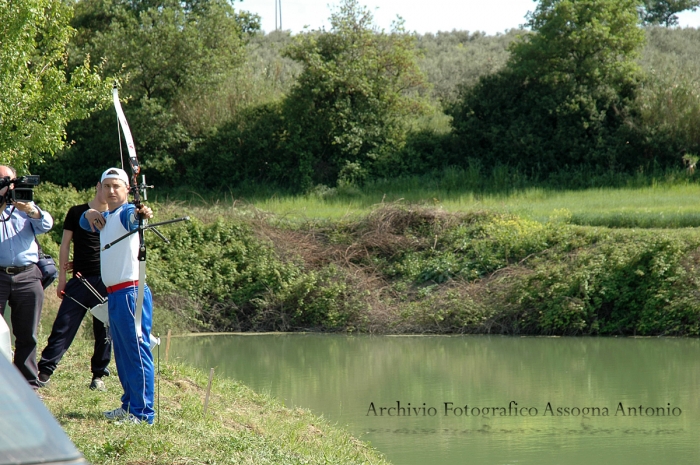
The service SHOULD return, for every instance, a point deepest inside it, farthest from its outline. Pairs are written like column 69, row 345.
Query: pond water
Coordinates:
column 480, row 399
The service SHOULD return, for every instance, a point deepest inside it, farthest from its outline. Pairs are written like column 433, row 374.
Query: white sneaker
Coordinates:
column 117, row 414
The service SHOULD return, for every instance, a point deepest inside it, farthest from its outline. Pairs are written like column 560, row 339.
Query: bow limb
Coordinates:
column 133, row 159
column 135, row 170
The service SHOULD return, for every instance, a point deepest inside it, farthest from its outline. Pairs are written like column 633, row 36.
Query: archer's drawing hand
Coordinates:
column 96, row 220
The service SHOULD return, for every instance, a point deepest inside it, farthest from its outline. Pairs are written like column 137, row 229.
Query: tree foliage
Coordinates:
column 344, row 118
column 38, row 97
column 265, row 76
column 667, row 109
column 348, row 108
column 451, row 59
column 663, row 12
column 166, row 54
column 170, row 50
column 564, row 94
column 206, row 94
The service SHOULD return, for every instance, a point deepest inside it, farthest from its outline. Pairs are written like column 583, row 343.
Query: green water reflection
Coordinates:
column 349, row 379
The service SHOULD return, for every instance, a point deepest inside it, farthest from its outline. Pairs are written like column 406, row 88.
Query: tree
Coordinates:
column 168, row 54
column 358, row 85
column 563, row 97
column 38, row 96
column 664, row 11
column 170, row 50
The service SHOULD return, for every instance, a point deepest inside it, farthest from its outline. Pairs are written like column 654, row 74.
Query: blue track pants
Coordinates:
column 133, row 358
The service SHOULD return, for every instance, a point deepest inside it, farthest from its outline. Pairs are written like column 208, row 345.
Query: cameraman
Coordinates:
column 20, row 278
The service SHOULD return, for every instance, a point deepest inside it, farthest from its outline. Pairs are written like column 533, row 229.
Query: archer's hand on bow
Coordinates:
column 145, row 212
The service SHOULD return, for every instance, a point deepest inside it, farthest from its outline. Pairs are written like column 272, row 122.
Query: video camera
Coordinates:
column 23, row 191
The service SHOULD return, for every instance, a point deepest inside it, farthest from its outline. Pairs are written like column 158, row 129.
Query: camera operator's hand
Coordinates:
column 96, row 220
column 28, row 208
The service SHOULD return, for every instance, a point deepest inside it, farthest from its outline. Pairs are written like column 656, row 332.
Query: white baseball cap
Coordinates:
column 115, row 173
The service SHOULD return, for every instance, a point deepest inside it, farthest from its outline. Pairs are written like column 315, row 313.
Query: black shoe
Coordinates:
column 43, row 379
column 97, row 384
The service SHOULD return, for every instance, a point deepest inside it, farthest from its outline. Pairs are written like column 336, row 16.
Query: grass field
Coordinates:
column 660, row 205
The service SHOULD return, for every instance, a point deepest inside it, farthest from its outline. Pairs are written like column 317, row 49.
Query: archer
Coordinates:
column 120, row 269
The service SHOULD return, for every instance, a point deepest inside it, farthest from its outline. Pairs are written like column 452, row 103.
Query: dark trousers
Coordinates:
column 24, row 293
column 67, row 323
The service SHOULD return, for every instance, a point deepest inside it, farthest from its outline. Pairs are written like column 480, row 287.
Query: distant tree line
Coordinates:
column 590, row 85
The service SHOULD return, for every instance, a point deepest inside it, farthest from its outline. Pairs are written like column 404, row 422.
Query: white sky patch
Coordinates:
column 489, row 16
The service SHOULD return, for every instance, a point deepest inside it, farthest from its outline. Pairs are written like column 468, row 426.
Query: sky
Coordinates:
column 422, row 16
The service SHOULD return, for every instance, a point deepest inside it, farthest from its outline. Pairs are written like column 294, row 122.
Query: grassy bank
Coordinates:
column 411, row 269
column 240, row 426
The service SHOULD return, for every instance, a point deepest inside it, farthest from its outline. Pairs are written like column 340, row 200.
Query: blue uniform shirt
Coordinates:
column 17, row 232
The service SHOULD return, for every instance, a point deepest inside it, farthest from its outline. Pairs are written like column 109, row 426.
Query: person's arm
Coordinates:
column 93, row 220
column 129, row 216
column 41, row 220
column 63, row 257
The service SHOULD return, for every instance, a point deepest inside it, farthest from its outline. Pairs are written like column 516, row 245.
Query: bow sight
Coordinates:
column 23, row 190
